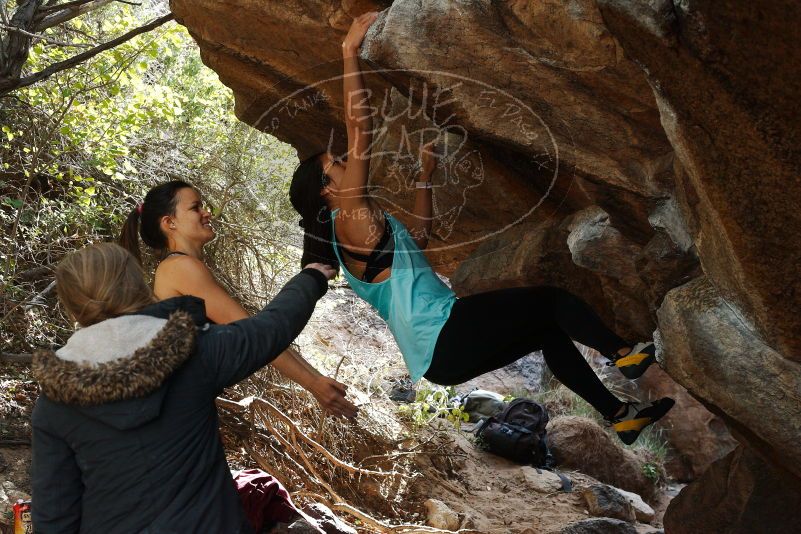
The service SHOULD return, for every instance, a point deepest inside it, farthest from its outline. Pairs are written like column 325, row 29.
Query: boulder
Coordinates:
column 734, row 131
column 697, row 437
column 540, row 480
column 439, row 515
column 606, row 501
column 739, row 494
column 642, row 511
column 708, row 347
column 580, row 443
column 677, row 120
column 327, row 520
column 600, row 525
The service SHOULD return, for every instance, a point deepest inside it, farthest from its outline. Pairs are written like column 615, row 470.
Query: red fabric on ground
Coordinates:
column 264, row 498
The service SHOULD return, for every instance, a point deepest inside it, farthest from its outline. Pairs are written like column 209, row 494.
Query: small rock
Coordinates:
column 327, row 520
column 13, row 494
column 6, row 507
column 4, row 503
column 469, row 522
column 402, row 391
column 541, row 480
column 606, row 501
column 599, row 525
column 301, row 526
column 643, row 512
column 439, row 515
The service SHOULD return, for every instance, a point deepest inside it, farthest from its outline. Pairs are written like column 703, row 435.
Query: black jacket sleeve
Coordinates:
column 234, row 351
column 55, row 480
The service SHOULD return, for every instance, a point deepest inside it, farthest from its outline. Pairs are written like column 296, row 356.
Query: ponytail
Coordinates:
column 129, row 237
column 145, row 220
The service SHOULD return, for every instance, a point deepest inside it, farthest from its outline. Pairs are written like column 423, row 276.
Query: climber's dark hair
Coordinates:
column 304, row 193
column 145, row 218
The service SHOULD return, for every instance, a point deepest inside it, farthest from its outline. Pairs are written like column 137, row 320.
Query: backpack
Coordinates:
column 518, row 434
column 480, row 404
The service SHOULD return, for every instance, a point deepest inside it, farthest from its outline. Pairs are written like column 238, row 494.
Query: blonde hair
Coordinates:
column 101, row 281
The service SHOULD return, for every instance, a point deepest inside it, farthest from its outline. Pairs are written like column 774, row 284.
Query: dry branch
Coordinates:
column 15, row 358
column 69, row 12
column 7, row 85
column 245, row 404
column 294, row 441
column 43, row 37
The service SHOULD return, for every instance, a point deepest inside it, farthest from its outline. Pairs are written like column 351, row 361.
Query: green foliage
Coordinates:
column 651, row 472
column 432, row 403
column 79, row 150
column 559, row 400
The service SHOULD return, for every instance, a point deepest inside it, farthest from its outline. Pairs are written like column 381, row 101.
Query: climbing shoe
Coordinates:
column 638, row 416
column 634, row 364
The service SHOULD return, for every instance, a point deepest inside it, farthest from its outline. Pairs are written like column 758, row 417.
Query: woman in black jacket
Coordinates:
column 125, row 433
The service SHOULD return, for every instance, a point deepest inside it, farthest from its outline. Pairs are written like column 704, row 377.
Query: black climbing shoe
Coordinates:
column 638, row 416
column 634, row 364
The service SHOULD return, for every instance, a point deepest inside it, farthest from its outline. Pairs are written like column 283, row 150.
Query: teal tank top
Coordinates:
column 413, row 300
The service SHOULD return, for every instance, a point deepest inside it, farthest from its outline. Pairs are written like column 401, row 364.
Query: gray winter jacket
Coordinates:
column 125, row 434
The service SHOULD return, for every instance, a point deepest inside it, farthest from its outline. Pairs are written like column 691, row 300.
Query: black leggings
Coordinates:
column 490, row 330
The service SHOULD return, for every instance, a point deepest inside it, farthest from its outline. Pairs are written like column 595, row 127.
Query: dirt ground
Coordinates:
column 488, row 493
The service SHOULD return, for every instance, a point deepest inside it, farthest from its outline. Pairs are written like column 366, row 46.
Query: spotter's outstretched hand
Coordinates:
column 331, row 396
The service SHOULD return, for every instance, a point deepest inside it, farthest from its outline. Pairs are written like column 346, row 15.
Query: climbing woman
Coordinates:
column 125, row 434
column 445, row 339
column 173, row 222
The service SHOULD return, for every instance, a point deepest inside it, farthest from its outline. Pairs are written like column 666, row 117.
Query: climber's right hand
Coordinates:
column 358, row 29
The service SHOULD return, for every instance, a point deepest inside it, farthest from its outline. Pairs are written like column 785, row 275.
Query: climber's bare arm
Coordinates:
column 358, row 119
column 185, row 275
column 420, row 224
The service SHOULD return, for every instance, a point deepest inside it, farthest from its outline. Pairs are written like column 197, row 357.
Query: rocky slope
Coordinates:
column 642, row 154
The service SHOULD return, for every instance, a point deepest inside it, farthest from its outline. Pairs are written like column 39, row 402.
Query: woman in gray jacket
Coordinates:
column 125, row 433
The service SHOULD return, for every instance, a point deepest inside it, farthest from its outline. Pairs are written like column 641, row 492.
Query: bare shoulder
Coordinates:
column 180, row 275
column 181, row 264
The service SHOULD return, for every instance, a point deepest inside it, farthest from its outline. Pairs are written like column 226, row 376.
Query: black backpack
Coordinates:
column 518, row 434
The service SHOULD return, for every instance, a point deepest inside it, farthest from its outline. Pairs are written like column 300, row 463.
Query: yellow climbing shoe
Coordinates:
column 634, row 364
column 638, row 416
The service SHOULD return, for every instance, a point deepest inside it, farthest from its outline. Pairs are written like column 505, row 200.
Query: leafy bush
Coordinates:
column 79, row 150
column 432, row 403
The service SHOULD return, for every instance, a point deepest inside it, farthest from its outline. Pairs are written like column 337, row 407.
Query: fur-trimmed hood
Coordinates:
column 115, row 370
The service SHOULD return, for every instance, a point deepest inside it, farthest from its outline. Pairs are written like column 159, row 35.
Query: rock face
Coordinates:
column 735, row 133
column 697, row 437
column 739, row 494
column 711, row 351
column 617, row 148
